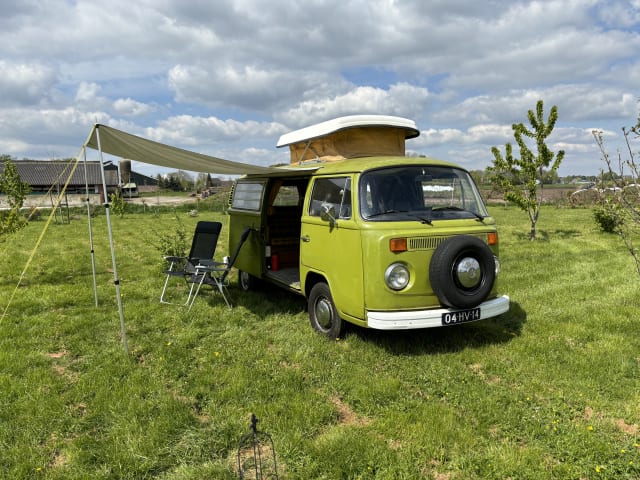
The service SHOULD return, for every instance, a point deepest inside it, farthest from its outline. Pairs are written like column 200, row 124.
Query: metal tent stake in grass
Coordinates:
column 257, row 455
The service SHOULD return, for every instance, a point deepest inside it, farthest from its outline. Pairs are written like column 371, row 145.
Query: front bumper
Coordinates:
column 405, row 320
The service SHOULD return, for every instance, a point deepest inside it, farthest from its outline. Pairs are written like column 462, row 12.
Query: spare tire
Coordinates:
column 462, row 271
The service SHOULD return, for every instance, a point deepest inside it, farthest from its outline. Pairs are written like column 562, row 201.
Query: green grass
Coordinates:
column 549, row 390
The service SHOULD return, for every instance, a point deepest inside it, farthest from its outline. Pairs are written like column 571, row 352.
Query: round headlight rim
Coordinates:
column 389, row 275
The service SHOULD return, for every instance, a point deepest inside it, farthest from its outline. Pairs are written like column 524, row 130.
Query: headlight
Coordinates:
column 396, row 276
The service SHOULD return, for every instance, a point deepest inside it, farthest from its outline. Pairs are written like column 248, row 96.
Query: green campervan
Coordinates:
column 366, row 234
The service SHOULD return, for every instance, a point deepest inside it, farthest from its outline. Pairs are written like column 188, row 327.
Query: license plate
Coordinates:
column 461, row 316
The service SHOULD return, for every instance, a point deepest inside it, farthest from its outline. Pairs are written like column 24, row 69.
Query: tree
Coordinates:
column 16, row 191
column 118, row 205
column 478, row 176
column 161, row 181
column 203, row 181
column 521, row 179
column 620, row 191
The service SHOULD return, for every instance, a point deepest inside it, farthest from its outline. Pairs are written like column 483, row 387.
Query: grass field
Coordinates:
column 550, row 390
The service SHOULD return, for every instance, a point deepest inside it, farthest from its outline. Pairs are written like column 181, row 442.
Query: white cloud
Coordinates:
column 575, row 102
column 400, row 99
column 621, row 13
column 25, row 83
column 190, row 130
column 130, row 107
column 51, row 132
column 12, row 147
column 87, row 92
column 249, row 87
column 478, row 134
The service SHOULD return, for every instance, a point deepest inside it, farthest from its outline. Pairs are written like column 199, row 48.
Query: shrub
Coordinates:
column 173, row 243
column 607, row 217
column 16, row 190
column 118, row 205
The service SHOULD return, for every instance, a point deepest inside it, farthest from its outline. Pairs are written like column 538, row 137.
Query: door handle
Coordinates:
column 305, row 238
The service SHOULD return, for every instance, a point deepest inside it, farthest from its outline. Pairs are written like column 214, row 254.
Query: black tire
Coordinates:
column 247, row 281
column 462, row 272
column 323, row 315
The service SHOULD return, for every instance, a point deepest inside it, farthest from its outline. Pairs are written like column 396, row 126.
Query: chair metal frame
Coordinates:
column 203, row 247
column 216, row 273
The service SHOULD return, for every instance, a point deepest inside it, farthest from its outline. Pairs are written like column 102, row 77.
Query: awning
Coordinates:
column 125, row 145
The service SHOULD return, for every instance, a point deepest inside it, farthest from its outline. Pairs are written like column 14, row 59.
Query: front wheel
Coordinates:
column 323, row 315
column 247, row 281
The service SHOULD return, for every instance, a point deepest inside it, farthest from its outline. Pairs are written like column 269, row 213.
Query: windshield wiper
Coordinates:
column 458, row 209
column 422, row 219
column 377, row 214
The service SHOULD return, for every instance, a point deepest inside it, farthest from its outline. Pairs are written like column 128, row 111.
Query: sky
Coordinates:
column 228, row 77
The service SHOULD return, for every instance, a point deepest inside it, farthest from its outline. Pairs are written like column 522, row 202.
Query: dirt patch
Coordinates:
column 629, row 429
column 625, row 427
column 161, row 200
column 478, row 369
column 346, row 415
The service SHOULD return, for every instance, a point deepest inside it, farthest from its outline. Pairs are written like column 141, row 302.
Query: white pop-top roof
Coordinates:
column 351, row 121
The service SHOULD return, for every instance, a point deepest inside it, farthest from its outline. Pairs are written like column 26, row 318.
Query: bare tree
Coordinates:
column 620, row 192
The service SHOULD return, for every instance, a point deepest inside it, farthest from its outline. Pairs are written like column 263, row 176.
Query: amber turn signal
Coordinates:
column 397, row 245
column 492, row 238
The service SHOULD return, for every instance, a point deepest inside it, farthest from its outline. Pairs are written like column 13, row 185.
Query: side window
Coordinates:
column 248, row 195
column 287, row 196
column 333, row 192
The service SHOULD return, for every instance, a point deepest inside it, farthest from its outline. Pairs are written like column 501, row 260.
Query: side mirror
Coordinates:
column 328, row 213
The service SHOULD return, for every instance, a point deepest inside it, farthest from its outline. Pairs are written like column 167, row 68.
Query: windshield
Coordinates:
column 422, row 193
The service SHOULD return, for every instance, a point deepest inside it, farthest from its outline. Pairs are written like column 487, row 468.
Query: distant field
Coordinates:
column 551, row 194
column 549, row 390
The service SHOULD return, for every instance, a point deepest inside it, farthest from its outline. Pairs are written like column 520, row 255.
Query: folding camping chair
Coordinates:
column 203, row 247
column 216, row 273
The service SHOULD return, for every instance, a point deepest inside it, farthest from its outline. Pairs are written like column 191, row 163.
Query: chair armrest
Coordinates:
column 172, row 258
column 211, row 267
column 210, row 263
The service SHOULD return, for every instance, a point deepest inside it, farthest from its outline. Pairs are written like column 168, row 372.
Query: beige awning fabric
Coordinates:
column 125, row 145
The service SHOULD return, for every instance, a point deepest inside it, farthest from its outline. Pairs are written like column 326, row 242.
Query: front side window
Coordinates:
column 331, row 193
column 419, row 193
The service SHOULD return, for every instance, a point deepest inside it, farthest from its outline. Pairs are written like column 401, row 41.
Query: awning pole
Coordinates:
column 93, row 257
column 116, row 281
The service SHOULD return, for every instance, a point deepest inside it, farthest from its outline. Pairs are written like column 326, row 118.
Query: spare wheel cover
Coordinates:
column 462, row 271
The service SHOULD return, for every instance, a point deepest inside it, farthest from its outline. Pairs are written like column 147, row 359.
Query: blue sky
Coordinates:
column 228, row 77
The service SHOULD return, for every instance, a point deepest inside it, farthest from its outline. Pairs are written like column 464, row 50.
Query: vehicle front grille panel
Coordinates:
column 431, row 243
column 425, row 243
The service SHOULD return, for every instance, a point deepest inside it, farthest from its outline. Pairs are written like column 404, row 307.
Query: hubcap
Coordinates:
column 468, row 272
column 323, row 313
column 244, row 280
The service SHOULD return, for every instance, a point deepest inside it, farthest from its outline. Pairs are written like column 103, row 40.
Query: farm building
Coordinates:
column 51, row 175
